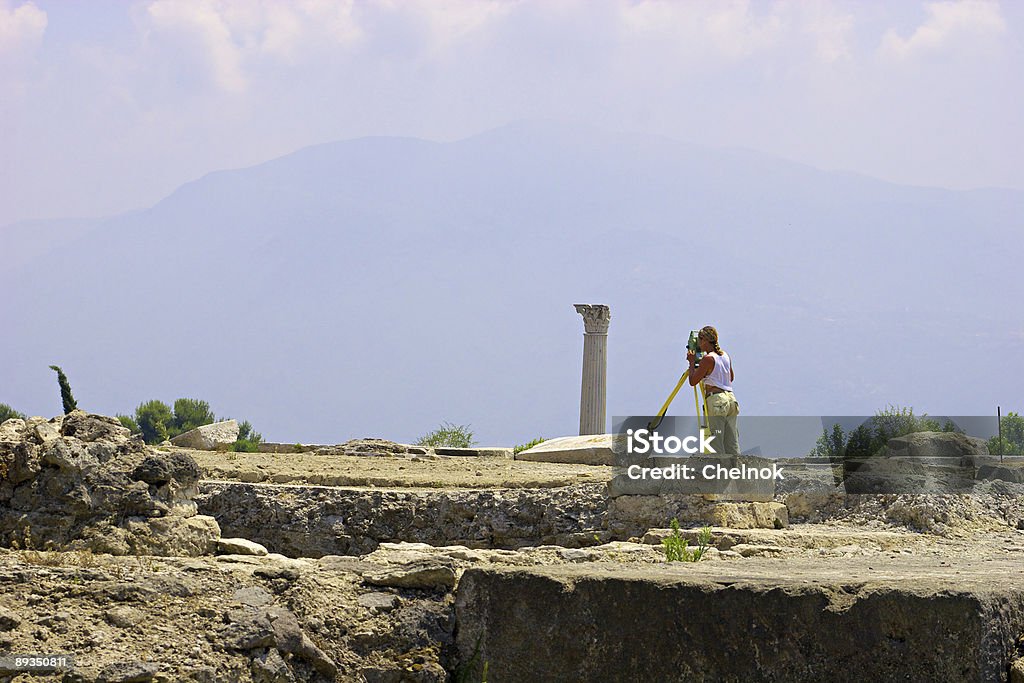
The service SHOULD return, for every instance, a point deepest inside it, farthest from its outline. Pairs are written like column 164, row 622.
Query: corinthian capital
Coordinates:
column 595, row 317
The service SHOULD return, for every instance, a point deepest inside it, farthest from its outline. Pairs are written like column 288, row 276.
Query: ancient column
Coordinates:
column 594, row 390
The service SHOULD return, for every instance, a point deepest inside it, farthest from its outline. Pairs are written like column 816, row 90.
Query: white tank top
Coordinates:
column 720, row 375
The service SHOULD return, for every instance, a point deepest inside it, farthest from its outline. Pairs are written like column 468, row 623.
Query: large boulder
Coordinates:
column 589, row 449
column 82, row 481
column 934, row 445
column 209, row 437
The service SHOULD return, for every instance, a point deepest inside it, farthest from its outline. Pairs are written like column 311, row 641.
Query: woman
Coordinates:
column 715, row 370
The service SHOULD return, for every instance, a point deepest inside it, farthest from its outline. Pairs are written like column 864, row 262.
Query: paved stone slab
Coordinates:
column 937, row 618
column 475, row 452
column 595, row 449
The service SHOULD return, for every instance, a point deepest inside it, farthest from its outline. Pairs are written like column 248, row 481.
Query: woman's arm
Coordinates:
column 698, row 373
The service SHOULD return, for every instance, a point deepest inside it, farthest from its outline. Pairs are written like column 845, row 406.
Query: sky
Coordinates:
column 109, row 105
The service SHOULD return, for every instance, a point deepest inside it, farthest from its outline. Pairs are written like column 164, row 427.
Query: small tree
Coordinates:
column 9, row 413
column 830, row 444
column 152, row 418
column 65, row 390
column 1013, row 436
column 860, row 442
column 248, row 439
column 189, row 413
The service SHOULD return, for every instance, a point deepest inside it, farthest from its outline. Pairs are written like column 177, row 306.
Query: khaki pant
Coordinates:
column 722, row 412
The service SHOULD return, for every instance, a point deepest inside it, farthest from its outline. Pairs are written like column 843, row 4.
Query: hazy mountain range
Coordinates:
column 376, row 287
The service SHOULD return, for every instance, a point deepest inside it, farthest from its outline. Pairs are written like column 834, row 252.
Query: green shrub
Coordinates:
column 677, row 548
column 875, row 432
column 249, row 439
column 9, row 413
column 245, row 446
column 528, row 445
column 448, row 435
column 65, row 390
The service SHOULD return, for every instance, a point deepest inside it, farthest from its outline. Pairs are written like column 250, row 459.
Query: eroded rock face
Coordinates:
column 82, row 481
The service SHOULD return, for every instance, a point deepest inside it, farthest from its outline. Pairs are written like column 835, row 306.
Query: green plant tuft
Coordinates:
column 448, row 435
column 528, row 445
column 677, row 548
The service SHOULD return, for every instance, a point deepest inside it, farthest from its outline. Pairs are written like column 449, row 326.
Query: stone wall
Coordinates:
column 312, row 521
column 707, row 622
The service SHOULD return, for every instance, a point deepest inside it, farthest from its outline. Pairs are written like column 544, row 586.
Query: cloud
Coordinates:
column 204, row 23
column 21, row 27
column 725, row 29
column 947, row 23
column 233, row 36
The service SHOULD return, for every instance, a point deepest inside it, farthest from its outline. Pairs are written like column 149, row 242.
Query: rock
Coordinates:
column 128, row 672
column 239, row 546
column 209, row 437
column 1017, row 671
column 378, row 602
column 270, row 667
column 433, row 574
column 123, row 616
column 934, row 445
column 290, row 638
column 9, row 619
column 748, row 550
column 84, row 482
column 315, row 521
column 366, row 447
column 247, row 629
column 89, row 427
column 595, row 449
column 536, row 623
column 276, row 571
column 11, row 430
column 634, row 515
column 505, row 453
column 1012, row 474
column 254, row 596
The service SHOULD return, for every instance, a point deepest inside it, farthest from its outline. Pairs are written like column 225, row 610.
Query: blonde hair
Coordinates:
column 710, row 334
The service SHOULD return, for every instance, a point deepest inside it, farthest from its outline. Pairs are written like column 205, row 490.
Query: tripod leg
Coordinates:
column 664, row 409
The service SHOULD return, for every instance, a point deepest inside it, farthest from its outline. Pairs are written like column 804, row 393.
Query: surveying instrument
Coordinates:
column 699, row 397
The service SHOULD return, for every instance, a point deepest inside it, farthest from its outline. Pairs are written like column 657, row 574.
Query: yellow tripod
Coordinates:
column 697, row 395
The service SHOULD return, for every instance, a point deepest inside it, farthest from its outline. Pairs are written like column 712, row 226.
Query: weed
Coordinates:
column 677, row 548
column 528, row 445
column 448, row 435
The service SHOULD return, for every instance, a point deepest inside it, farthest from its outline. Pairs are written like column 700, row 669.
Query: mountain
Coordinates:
column 379, row 286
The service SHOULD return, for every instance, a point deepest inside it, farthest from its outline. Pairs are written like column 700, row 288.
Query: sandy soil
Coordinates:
column 398, row 471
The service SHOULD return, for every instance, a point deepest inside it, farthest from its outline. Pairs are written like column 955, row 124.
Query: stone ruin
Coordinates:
column 84, row 482
column 405, row 583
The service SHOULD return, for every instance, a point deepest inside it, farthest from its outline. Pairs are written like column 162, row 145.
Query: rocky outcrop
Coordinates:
column 82, row 481
column 209, row 437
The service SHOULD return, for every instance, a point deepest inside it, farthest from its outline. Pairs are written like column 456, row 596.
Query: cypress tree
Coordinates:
column 65, row 390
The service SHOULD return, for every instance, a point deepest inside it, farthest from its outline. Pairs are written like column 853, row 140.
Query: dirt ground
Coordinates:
column 422, row 471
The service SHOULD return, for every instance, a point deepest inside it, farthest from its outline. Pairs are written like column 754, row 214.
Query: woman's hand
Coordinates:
column 690, row 357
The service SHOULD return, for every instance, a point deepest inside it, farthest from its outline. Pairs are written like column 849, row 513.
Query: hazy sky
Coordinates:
column 109, row 105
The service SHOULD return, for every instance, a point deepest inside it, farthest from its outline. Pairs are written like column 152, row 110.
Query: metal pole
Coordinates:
column 999, row 419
